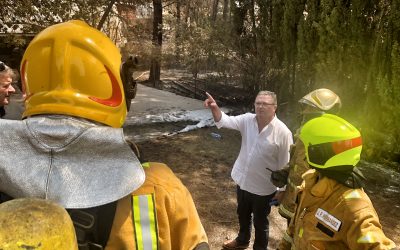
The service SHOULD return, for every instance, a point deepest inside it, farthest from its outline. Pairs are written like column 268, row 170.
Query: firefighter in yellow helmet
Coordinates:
column 332, row 209
column 72, row 150
column 30, row 223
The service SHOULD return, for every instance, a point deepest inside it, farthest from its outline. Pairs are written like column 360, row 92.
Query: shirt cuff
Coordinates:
column 281, row 189
column 221, row 121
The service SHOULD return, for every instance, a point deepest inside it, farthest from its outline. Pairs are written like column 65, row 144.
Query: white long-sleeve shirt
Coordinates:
column 267, row 149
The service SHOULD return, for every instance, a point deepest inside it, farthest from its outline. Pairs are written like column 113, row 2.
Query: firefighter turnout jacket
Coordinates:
column 297, row 167
column 330, row 215
column 88, row 168
column 159, row 215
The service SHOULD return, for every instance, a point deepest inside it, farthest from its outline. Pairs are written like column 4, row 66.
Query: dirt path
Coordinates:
column 204, row 165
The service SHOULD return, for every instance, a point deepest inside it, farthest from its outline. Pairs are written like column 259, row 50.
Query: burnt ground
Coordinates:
column 204, row 163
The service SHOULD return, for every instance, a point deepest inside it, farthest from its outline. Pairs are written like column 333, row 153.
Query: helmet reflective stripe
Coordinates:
column 116, row 94
column 145, row 222
column 341, row 146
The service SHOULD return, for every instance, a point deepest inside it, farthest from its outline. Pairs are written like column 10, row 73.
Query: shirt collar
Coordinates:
column 273, row 121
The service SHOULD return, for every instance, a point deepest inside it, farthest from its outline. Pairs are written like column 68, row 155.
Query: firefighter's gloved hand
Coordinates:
column 279, row 177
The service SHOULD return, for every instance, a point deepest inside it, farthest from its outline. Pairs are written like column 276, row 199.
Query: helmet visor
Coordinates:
column 320, row 153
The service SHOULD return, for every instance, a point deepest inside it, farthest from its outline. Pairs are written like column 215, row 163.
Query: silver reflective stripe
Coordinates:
column 145, row 222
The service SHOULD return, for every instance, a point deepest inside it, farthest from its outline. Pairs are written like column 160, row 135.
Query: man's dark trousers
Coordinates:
column 257, row 205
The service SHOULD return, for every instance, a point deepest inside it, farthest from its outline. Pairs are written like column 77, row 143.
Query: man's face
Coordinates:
column 6, row 89
column 265, row 106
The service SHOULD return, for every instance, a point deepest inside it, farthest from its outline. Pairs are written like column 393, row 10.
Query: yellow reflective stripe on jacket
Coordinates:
column 145, row 222
column 285, row 211
column 287, row 237
column 355, row 194
column 291, row 183
column 368, row 238
column 146, row 164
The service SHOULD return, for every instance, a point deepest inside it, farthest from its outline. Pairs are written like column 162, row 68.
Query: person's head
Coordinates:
column 7, row 76
column 29, row 223
column 265, row 104
column 132, row 59
column 73, row 69
column 331, row 143
column 130, row 85
column 320, row 101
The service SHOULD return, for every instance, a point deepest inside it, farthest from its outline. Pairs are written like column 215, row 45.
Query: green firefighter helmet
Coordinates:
column 30, row 223
column 331, row 141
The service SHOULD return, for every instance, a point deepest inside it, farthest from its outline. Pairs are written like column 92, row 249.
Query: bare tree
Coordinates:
column 155, row 66
column 214, row 10
column 178, row 43
column 225, row 10
column 105, row 14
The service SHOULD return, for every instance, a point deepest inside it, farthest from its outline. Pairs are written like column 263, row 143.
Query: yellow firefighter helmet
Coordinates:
column 73, row 69
column 30, row 223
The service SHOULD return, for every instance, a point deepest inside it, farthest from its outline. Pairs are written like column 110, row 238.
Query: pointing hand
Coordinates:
column 210, row 102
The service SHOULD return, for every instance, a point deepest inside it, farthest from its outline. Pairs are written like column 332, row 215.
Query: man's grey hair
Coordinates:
column 9, row 72
column 269, row 93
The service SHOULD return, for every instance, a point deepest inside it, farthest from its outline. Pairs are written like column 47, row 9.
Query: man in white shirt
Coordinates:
column 265, row 147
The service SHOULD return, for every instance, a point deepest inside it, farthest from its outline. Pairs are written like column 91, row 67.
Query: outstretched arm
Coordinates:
column 212, row 104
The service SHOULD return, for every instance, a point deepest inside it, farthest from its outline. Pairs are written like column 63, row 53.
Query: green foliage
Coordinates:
column 307, row 43
column 384, row 137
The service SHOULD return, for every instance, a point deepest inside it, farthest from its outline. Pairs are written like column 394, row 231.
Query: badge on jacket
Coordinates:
column 330, row 220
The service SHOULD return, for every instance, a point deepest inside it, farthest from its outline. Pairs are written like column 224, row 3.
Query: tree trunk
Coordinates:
column 254, row 29
column 178, row 43
column 187, row 13
column 225, row 10
column 105, row 14
column 157, row 44
column 214, row 11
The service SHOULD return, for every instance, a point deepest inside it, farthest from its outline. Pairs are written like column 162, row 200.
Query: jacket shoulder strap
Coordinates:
column 93, row 225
